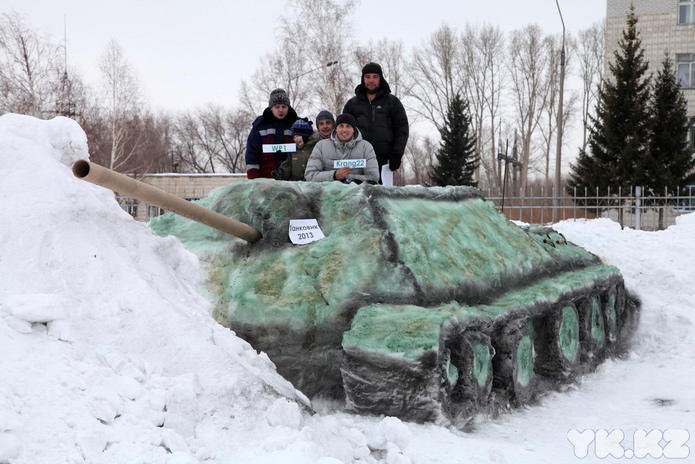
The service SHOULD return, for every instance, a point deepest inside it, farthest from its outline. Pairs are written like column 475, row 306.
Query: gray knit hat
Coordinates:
column 325, row 115
column 278, row 97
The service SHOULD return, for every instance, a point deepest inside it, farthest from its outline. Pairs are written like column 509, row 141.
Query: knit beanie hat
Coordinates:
column 372, row 68
column 302, row 127
column 346, row 118
column 325, row 115
column 278, row 97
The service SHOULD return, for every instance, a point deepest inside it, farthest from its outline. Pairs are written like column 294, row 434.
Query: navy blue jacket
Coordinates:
column 267, row 129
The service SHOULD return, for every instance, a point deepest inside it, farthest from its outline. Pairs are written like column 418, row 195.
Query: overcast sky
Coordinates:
column 188, row 53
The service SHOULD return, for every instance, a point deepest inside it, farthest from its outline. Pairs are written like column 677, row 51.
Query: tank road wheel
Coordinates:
column 610, row 313
column 627, row 311
column 592, row 330
column 471, row 355
column 557, row 343
column 513, row 363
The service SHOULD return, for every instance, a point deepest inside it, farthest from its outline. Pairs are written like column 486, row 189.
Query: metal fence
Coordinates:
column 633, row 208
column 636, row 207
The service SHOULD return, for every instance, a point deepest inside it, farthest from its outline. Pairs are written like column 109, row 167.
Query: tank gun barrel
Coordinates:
column 125, row 185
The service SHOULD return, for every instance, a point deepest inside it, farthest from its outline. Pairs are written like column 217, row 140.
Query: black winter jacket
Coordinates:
column 382, row 122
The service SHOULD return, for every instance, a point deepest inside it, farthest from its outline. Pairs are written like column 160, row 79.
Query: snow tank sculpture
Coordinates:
column 421, row 303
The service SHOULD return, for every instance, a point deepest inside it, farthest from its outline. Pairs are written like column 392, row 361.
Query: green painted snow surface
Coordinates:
column 397, row 263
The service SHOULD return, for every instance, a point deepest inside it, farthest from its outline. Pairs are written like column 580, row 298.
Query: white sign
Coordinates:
column 386, row 175
column 303, row 231
column 274, row 147
column 350, row 163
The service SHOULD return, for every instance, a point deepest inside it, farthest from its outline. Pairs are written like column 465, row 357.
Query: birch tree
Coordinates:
column 483, row 55
column 122, row 101
column 528, row 63
column 436, row 75
column 590, row 49
column 29, row 72
column 391, row 55
column 318, row 33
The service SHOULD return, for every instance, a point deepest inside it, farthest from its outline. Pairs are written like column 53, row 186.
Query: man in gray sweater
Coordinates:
column 344, row 157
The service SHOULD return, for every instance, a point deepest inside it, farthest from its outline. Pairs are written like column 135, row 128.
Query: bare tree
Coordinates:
column 156, row 138
column 230, row 130
column 391, row 56
column 528, row 65
column 483, row 55
column 436, row 75
column 28, row 68
column 211, row 139
column 548, row 126
column 122, row 103
column 191, row 145
column 418, row 159
column 300, row 63
column 590, row 50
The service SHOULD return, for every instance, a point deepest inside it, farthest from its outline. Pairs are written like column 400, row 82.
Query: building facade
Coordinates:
column 665, row 26
column 188, row 186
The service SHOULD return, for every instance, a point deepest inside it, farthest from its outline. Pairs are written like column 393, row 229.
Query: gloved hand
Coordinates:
column 278, row 173
column 394, row 163
column 281, row 155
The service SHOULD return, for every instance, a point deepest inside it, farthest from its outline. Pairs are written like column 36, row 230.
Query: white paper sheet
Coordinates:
column 386, row 174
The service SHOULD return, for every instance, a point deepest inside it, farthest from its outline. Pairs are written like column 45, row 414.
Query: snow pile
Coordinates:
column 108, row 352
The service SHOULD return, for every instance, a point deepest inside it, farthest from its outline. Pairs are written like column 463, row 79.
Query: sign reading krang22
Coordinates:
column 350, row 163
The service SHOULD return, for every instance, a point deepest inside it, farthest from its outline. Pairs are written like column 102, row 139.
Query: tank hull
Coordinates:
column 421, row 303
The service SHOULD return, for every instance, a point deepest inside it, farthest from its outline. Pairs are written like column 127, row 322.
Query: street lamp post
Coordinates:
column 558, row 159
column 296, row 78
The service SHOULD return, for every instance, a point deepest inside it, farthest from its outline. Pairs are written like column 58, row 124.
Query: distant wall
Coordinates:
column 188, row 186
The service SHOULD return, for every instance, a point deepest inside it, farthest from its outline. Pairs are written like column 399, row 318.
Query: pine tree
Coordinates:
column 670, row 162
column 456, row 157
column 619, row 136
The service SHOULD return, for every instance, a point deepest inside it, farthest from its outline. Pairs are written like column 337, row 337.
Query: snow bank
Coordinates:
column 108, row 352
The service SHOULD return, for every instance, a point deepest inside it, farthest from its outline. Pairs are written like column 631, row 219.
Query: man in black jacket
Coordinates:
column 380, row 117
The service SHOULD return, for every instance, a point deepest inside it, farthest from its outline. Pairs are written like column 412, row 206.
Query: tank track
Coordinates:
column 484, row 364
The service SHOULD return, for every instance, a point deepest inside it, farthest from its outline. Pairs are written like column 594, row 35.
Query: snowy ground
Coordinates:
column 108, row 353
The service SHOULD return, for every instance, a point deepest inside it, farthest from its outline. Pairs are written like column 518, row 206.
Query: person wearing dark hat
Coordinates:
column 273, row 127
column 380, row 116
column 344, row 157
column 295, row 164
column 325, row 123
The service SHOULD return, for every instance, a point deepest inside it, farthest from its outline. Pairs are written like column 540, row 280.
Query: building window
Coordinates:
column 685, row 70
column 686, row 12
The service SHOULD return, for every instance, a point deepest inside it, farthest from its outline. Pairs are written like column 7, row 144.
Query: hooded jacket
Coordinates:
column 267, row 129
column 382, row 121
column 294, row 166
column 320, row 167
